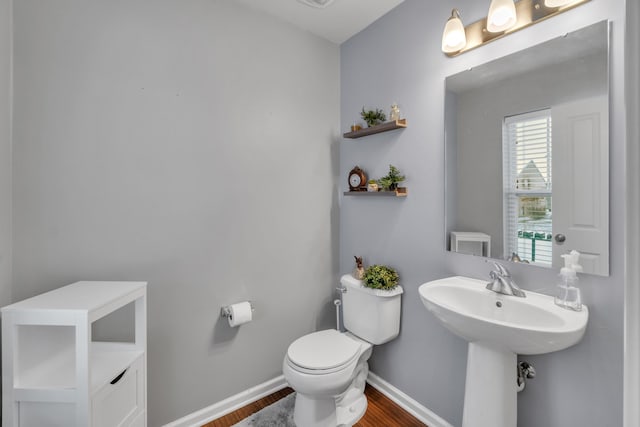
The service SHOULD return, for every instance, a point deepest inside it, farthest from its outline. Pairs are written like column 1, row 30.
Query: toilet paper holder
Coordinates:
column 225, row 311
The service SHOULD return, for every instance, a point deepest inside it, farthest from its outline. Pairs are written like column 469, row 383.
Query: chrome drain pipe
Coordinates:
column 525, row 371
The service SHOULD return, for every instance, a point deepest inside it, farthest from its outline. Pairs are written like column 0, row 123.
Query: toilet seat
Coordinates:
column 323, row 352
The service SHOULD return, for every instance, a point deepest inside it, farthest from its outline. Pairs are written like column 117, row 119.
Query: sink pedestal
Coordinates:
column 497, row 328
column 490, row 397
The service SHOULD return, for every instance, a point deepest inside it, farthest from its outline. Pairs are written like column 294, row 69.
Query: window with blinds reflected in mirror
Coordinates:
column 527, row 172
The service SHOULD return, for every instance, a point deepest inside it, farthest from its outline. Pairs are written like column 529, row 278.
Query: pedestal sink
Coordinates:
column 498, row 327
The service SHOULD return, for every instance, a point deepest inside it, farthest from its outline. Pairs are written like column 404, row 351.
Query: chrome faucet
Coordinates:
column 502, row 283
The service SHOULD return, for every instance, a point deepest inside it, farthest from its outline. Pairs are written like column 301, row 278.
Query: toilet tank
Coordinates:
column 371, row 314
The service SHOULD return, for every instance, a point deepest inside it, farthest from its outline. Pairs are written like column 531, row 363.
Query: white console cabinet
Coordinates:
column 54, row 374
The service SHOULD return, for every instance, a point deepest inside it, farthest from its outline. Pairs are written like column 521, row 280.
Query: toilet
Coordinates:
column 328, row 369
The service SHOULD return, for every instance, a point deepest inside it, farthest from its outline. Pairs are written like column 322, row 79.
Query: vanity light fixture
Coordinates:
column 453, row 36
column 502, row 16
column 505, row 17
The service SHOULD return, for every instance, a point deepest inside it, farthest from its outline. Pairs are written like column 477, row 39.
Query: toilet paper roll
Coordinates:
column 240, row 313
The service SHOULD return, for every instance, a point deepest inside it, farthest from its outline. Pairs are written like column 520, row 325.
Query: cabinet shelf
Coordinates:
column 384, row 127
column 57, row 375
column 400, row 192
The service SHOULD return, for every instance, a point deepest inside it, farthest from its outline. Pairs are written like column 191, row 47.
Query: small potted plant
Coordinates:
column 372, row 185
column 380, row 277
column 373, row 117
column 390, row 181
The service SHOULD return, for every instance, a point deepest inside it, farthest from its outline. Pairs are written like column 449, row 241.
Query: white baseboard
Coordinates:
column 224, row 407
column 407, row 403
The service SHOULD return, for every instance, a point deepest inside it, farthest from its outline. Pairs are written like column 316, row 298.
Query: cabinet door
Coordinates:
column 121, row 400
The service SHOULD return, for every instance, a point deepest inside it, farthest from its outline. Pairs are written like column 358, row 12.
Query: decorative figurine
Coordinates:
column 358, row 273
column 395, row 112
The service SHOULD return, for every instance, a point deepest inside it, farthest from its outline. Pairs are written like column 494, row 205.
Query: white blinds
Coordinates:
column 527, row 185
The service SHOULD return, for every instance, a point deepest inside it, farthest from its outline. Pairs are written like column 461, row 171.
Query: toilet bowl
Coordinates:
column 328, row 369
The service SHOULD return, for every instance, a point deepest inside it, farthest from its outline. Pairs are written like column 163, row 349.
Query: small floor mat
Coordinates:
column 279, row 414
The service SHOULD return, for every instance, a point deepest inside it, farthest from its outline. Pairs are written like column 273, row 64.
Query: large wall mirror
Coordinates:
column 527, row 154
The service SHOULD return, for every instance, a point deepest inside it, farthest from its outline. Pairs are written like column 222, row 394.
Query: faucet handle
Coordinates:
column 502, row 270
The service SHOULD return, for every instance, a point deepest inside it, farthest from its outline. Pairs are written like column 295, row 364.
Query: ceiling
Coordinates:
column 337, row 22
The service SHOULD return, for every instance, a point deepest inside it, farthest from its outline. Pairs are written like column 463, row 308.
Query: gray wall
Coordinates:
column 399, row 59
column 480, row 113
column 5, row 152
column 190, row 144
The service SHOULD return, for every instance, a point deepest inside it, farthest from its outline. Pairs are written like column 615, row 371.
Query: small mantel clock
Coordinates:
column 357, row 180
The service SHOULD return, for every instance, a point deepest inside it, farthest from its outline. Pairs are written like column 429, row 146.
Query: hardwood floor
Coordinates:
column 384, row 412
column 381, row 412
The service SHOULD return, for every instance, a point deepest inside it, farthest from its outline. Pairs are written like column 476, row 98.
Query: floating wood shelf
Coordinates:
column 384, row 127
column 400, row 192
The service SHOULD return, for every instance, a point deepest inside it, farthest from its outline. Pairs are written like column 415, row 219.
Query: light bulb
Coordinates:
column 502, row 16
column 453, row 36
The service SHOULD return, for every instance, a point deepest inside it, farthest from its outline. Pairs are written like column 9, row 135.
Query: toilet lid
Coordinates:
column 323, row 350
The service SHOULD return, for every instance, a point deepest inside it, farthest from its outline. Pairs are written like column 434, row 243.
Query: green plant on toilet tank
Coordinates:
column 380, row 277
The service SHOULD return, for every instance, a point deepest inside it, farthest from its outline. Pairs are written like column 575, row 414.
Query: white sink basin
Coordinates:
column 531, row 325
column 498, row 327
